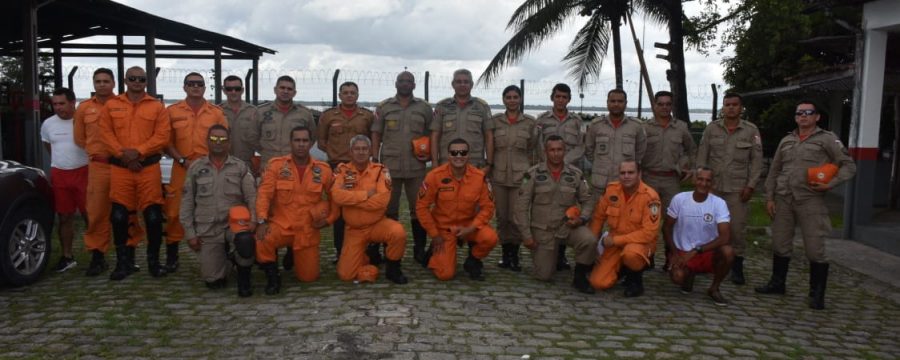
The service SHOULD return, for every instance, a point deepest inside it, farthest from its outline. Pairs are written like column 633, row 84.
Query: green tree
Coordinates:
column 12, row 75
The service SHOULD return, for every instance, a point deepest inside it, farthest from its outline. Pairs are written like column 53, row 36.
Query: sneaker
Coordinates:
column 717, row 297
column 65, row 263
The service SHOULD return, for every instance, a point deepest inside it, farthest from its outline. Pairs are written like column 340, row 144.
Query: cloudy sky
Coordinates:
column 372, row 40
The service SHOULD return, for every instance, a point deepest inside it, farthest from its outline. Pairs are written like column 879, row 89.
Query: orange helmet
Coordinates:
column 239, row 219
column 320, row 210
column 422, row 147
column 367, row 273
column 573, row 212
column 821, row 174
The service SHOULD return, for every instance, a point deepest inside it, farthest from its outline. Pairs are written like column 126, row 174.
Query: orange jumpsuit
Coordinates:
column 143, row 126
column 364, row 216
column 285, row 200
column 456, row 203
column 189, row 132
column 634, row 223
column 87, row 135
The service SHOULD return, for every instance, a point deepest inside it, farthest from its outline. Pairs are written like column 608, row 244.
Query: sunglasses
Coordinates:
column 217, row 139
column 807, row 112
column 194, row 83
column 140, row 79
column 234, row 88
column 459, row 153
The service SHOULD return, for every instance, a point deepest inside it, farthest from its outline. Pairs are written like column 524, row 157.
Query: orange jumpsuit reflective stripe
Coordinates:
column 189, row 131
column 364, row 216
column 285, row 201
column 444, row 204
column 87, row 135
column 143, row 126
column 634, row 224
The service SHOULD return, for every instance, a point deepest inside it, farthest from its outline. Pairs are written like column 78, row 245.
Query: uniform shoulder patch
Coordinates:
column 654, row 210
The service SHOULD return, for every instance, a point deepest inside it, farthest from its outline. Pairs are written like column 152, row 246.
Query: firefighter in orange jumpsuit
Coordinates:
column 135, row 128
column 87, row 135
column 462, row 209
column 363, row 189
column 290, row 210
column 191, row 119
column 632, row 211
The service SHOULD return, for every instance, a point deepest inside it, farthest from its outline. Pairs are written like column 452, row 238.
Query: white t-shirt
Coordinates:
column 60, row 134
column 697, row 222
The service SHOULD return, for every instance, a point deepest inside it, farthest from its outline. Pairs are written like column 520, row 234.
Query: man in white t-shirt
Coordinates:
column 697, row 230
column 68, row 170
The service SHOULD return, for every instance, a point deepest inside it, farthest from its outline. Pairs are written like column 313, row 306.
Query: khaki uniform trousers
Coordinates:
column 544, row 257
column 411, row 187
column 213, row 256
column 505, row 198
column 812, row 216
column 739, row 212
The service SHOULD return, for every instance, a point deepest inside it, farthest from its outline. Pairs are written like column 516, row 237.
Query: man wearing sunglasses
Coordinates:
column 216, row 183
column 732, row 147
column 191, row 120
column 793, row 198
column 135, row 128
column 240, row 119
column 465, row 117
column 456, row 205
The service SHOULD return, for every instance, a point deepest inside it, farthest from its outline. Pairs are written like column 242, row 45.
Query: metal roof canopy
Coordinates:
column 26, row 26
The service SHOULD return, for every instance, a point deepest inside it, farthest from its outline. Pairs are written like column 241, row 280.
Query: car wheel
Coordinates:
column 24, row 247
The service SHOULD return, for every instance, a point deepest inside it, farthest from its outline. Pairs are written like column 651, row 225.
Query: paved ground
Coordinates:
column 507, row 317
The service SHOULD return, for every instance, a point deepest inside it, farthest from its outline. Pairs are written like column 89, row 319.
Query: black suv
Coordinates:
column 26, row 223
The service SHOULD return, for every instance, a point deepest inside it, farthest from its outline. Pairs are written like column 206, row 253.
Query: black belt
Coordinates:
column 146, row 162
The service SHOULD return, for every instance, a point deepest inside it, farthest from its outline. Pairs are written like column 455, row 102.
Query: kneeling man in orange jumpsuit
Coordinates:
column 290, row 210
column 632, row 211
column 456, row 204
column 363, row 189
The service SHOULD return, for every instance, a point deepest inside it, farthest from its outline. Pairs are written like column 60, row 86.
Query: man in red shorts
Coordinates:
column 68, row 170
column 697, row 227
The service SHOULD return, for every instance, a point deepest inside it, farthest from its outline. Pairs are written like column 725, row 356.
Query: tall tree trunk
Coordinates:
column 616, row 23
column 676, row 58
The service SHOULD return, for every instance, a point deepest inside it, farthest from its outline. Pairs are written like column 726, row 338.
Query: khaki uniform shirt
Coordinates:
column 209, row 193
column 272, row 128
column 735, row 158
column 669, row 148
column 336, row 129
column 241, row 125
column 607, row 146
column 468, row 122
column 513, row 149
column 398, row 126
column 543, row 201
column 788, row 172
column 569, row 129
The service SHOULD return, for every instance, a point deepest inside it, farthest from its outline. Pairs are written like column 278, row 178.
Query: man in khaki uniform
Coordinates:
column 793, row 198
column 612, row 139
column 274, row 121
column 398, row 121
column 670, row 150
column 543, row 215
column 240, row 115
column 466, row 117
column 214, row 184
column 336, row 127
column 733, row 149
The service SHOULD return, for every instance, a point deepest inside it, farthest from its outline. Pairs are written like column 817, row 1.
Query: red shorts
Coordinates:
column 69, row 190
column 700, row 263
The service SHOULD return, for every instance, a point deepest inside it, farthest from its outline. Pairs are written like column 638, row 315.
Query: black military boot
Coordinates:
column 171, row 258
column 474, row 266
column 122, row 269
column 245, row 289
column 288, row 261
column 419, row 238
column 818, row 278
column 737, row 271
column 153, row 265
column 133, row 267
column 580, row 280
column 373, row 251
column 561, row 262
column 504, row 258
column 394, row 273
column 514, row 258
column 776, row 284
column 273, row 278
column 98, row 264
column 427, row 257
column 634, row 283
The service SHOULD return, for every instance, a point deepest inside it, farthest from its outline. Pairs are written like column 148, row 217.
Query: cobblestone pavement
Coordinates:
column 506, row 317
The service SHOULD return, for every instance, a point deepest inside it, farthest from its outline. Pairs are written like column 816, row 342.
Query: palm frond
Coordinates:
column 655, row 10
column 531, row 7
column 588, row 49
